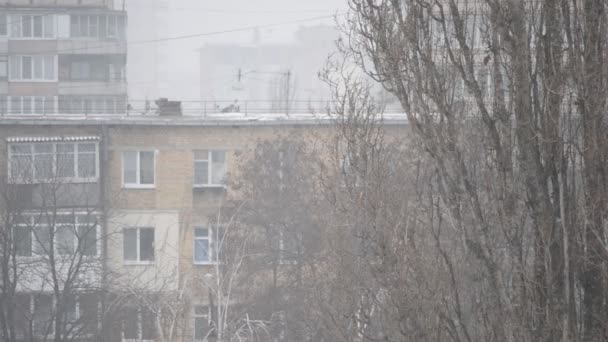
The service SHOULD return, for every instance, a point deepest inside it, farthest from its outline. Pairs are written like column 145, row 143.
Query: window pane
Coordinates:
column 3, row 66
column 49, row 26
column 38, row 60
column 93, row 26
column 87, row 239
column 65, row 240
column 26, row 25
column 201, row 328
column 129, row 324
column 3, row 24
column 74, row 26
column 38, row 26
column 21, row 168
column 49, row 105
column 84, row 26
column 69, row 307
column 130, row 167
column 22, row 314
column 201, row 155
column 88, row 305
column 201, row 250
column 201, row 172
column 42, row 235
column 43, row 161
column 103, row 26
column 43, row 315
column 218, row 167
column 65, row 160
column 148, row 325
column 201, row 232
column 26, row 105
column 112, row 26
column 49, row 68
column 39, row 105
column 26, row 71
column 86, row 165
column 130, row 244
column 146, row 167
column 15, row 64
column 146, row 244
column 15, row 26
column 23, row 241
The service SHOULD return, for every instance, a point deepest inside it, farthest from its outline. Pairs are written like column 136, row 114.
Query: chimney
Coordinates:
column 168, row 108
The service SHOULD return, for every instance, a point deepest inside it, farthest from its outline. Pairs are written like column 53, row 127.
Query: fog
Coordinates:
column 170, row 66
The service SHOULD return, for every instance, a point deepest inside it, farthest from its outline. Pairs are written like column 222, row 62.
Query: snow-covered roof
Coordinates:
column 47, row 139
column 218, row 119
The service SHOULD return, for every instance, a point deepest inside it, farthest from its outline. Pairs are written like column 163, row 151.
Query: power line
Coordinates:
column 194, row 35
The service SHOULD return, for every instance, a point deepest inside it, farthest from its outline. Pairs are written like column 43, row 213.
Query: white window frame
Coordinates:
column 19, row 78
column 215, row 244
column 211, row 241
column 138, row 261
column 32, row 225
column 17, row 19
column 137, row 184
column 75, row 179
column 209, row 162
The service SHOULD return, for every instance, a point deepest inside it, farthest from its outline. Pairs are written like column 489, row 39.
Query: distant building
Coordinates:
column 266, row 77
column 64, row 56
column 148, row 64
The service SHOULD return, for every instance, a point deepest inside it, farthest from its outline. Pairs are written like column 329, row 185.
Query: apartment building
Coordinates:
column 151, row 189
column 62, row 57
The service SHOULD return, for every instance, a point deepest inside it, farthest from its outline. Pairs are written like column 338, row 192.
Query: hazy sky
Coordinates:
column 205, row 16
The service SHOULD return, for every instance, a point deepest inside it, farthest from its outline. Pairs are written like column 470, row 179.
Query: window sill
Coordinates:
column 33, row 81
column 209, row 186
column 204, row 263
column 138, row 263
column 139, row 186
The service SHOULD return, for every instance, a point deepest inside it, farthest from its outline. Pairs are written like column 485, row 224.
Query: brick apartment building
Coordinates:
column 145, row 187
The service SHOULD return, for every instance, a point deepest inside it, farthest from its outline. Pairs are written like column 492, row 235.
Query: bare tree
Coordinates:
column 506, row 98
column 51, row 259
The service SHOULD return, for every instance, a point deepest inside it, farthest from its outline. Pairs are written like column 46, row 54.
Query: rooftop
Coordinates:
column 218, row 119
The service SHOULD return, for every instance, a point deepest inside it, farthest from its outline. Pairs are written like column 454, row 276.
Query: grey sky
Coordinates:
column 201, row 16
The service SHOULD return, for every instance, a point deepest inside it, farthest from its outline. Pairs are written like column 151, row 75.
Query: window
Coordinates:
column 289, row 247
column 41, row 68
column 43, row 315
column 97, row 26
column 22, row 238
column 33, row 235
column 92, row 104
column 209, row 168
column 202, row 324
column 3, row 25
column 32, row 26
column 41, row 162
column 138, row 244
column 3, row 66
column 81, row 309
column 23, row 315
column 138, row 169
column 207, row 243
column 138, row 324
column 38, row 105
